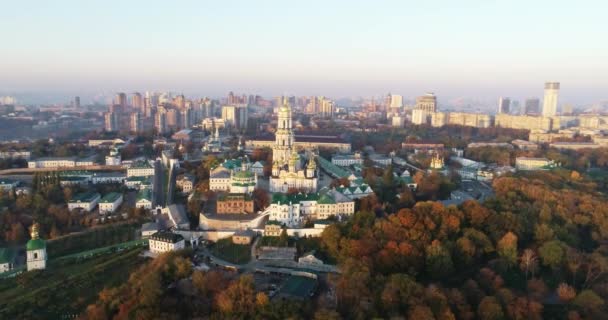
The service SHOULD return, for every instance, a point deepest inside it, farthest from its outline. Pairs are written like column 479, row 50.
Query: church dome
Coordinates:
column 35, row 244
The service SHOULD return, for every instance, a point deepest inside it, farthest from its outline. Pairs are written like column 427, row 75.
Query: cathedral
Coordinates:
column 290, row 170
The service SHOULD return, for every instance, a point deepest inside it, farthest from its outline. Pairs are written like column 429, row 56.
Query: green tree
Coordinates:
column 552, row 254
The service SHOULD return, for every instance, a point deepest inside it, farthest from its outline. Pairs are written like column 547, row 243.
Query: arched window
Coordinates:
column 35, row 255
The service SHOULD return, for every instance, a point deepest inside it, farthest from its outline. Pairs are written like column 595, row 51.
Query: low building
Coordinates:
column 7, row 185
column 148, row 229
column 110, row 202
column 144, row 199
column 243, row 237
column 185, row 183
column 309, row 259
column 524, row 145
column 273, row 229
column 357, row 189
column 52, row 162
column 526, row 163
column 574, row 145
column 234, row 203
column 258, row 167
column 161, row 242
column 292, row 210
column 140, row 169
column 12, row 154
column 7, row 260
column 177, row 216
column 108, row 177
column 381, row 159
column 138, row 182
column 347, row 159
column 86, row 201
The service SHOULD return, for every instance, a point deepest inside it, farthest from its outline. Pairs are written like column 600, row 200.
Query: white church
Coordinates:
column 289, row 170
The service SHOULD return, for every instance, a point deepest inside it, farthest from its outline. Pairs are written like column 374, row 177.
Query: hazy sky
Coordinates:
column 336, row 48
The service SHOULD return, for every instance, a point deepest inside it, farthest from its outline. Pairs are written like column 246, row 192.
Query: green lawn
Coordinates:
column 66, row 287
column 234, row 253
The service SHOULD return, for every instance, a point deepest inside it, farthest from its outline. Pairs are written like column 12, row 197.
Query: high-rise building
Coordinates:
column 160, row 121
column 229, row 115
column 136, row 122
column 532, row 106
column 77, row 102
column 550, row 100
column 111, row 121
column 427, row 102
column 567, row 109
column 187, row 118
column 396, row 102
column 137, row 101
column 180, row 102
column 504, row 105
column 121, row 100
column 231, row 98
column 173, row 119
column 327, row 108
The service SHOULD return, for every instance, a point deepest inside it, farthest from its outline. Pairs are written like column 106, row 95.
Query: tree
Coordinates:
column 438, row 261
column 283, row 238
column 490, row 309
column 507, row 248
column 528, row 262
column 565, row 293
column 588, row 301
column 421, row 312
column 552, row 254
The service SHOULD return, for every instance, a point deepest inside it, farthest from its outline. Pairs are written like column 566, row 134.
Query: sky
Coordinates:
column 479, row 49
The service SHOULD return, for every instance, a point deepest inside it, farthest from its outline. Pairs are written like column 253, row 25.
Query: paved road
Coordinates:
column 159, row 196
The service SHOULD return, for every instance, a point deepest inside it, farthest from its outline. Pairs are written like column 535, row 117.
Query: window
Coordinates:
column 35, row 255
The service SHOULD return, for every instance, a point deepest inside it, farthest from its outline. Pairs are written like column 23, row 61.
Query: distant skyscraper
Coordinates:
column 137, row 101
column 111, row 121
column 229, row 115
column 160, row 121
column 567, row 109
column 532, row 106
column 427, row 102
column 121, row 99
column 173, row 119
column 396, row 102
column 77, row 102
column 550, row 100
column 504, row 105
column 136, row 122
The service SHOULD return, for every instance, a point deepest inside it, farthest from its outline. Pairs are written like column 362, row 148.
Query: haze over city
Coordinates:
column 53, row 50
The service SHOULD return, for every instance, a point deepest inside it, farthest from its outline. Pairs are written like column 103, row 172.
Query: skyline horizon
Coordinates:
column 475, row 49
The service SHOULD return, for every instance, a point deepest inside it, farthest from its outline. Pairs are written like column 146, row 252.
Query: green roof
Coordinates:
column 141, row 165
column 111, row 197
column 144, row 194
column 294, row 198
column 6, row 255
column 326, row 199
column 332, row 168
column 232, row 163
column 234, row 196
column 299, row 286
column 85, row 197
column 243, row 174
column 141, row 179
column 35, row 244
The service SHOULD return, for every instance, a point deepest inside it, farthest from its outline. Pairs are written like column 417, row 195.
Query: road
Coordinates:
column 159, row 177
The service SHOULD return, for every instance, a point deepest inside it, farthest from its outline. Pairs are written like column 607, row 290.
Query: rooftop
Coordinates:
column 85, row 197
column 167, row 237
column 111, row 197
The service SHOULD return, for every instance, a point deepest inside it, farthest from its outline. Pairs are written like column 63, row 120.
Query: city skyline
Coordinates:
column 339, row 49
